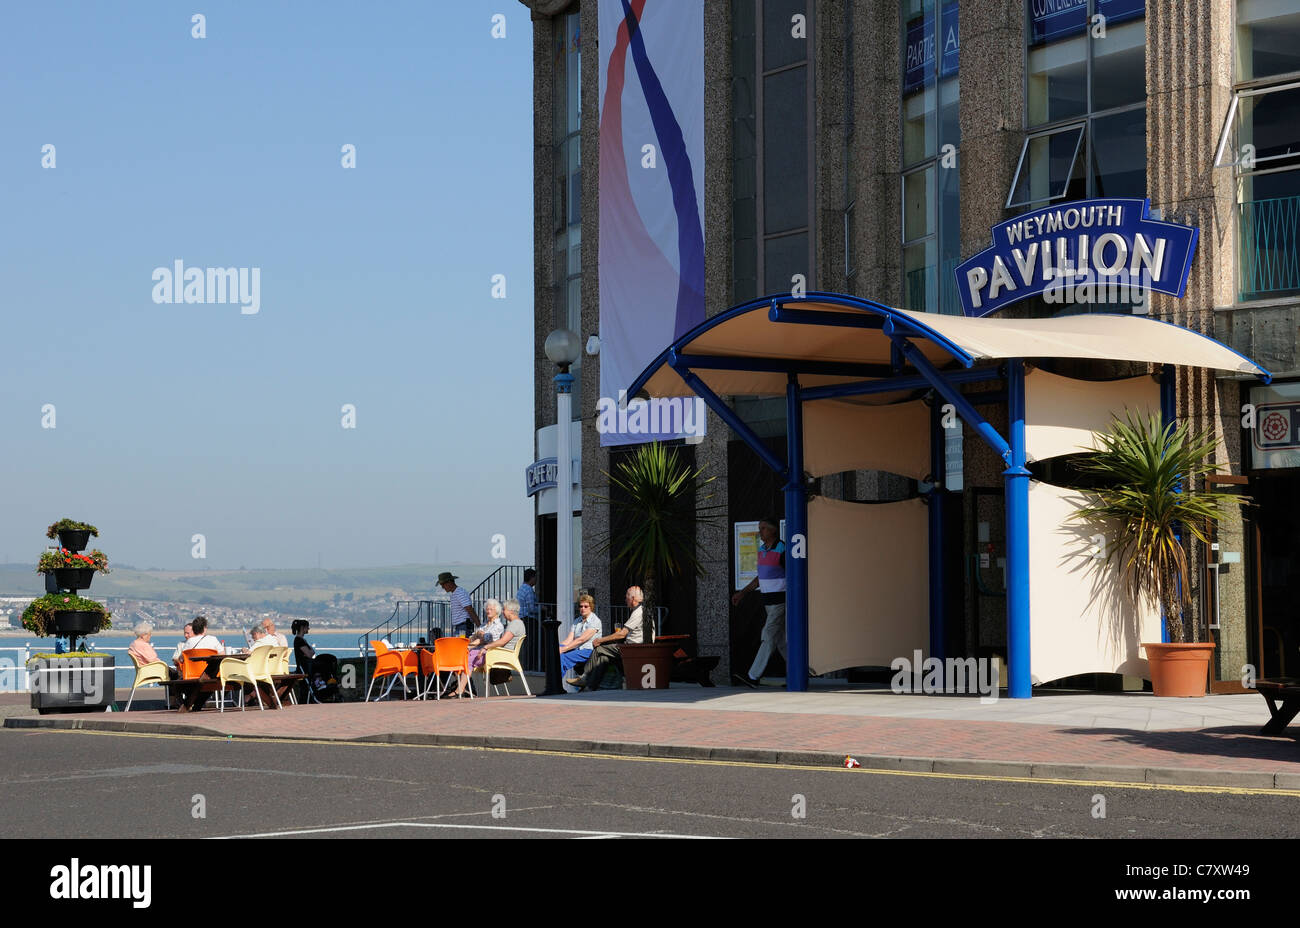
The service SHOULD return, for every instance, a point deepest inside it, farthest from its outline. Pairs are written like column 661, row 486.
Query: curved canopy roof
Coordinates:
column 829, row 338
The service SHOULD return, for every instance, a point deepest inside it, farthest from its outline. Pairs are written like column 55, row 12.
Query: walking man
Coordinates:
column 771, row 586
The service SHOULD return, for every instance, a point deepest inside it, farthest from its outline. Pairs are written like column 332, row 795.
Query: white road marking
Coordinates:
column 548, row 831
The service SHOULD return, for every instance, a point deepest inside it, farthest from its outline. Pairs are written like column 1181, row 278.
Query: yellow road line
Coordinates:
column 987, row 778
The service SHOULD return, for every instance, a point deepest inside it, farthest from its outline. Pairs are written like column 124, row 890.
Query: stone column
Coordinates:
column 1189, row 86
column 713, row 591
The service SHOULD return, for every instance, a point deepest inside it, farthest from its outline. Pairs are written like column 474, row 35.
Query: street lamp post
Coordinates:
column 563, row 348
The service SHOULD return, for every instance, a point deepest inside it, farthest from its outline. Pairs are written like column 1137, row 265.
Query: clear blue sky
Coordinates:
column 176, row 419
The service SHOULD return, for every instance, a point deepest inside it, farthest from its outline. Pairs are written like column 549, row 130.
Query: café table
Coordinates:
column 193, row 694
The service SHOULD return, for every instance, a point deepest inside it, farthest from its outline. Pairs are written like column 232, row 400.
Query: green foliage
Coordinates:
column 1153, row 478
column 658, row 512
column 59, row 657
column 70, row 525
column 38, row 618
column 57, row 560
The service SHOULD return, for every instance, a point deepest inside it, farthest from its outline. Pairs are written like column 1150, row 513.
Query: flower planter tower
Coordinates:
column 76, row 681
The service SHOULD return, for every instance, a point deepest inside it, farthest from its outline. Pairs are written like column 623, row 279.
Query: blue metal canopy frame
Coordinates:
column 901, row 329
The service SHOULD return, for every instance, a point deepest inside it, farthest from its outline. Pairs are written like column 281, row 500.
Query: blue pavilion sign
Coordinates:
column 1101, row 246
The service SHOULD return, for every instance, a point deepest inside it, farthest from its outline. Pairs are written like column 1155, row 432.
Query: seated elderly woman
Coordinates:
column 508, row 638
column 491, row 629
column 143, row 651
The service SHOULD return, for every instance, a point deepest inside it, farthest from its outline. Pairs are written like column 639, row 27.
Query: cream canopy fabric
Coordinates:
column 747, row 333
column 842, row 436
column 1080, row 621
column 868, row 595
column 1064, row 415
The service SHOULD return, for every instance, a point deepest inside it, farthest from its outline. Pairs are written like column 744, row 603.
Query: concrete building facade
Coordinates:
column 872, row 153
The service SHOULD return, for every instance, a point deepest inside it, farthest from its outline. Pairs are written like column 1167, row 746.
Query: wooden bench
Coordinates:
column 1285, row 690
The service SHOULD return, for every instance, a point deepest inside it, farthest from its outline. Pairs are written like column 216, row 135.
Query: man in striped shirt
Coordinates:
column 771, row 584
column 463, row 617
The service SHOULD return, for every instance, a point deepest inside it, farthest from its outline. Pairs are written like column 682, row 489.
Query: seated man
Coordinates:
column 187, row 635
column 261, row 638
column 585, row 629
column 634, row 631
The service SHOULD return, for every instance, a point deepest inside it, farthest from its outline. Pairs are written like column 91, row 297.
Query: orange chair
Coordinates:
column 388, row 663
column 192, row 669
column 450, row 654
column 411, row 661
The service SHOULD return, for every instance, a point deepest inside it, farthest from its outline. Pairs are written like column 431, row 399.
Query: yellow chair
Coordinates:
column 254, row 669
column 152, row 672
column 282, row 669
column 503, row 657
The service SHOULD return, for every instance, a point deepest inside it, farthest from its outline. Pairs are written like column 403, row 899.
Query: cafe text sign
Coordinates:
column 1103, row 244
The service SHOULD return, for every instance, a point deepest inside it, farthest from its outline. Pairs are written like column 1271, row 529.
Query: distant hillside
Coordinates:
column 250, row 588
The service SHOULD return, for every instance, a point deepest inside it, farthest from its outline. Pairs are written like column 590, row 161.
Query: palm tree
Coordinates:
column 655, row 515
column 1151, row 478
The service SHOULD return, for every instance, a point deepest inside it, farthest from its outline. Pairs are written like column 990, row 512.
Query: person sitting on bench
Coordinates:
column 607, row 649
column 585, row 629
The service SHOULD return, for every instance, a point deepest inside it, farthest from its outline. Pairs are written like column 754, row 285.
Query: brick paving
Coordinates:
column 1227, row 748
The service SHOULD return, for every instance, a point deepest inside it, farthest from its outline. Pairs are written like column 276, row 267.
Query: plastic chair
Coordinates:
column 503, row 657
column 450, row 654
column 282, row 668
column 388, row 663
column 411, row 665
column 254, row 669
column 192, row 669
column 145, row 674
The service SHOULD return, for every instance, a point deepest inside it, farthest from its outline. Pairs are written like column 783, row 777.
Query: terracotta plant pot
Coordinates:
column 654, row 661
column 1179, row 669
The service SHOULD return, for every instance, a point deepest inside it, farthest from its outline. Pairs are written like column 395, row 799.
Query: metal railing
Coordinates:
column 1268, row 248
column 430, row 619
column 14, row 677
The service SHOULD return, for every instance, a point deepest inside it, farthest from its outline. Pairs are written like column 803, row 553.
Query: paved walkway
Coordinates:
column 1126, row 737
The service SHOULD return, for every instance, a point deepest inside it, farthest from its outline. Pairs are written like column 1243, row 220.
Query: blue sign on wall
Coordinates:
column 1050, row 20
column 541, row 475
column 921, row 47
column 1095, row 248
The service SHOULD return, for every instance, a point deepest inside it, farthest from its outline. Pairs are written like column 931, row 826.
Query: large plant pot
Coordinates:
column 1179, row 669
column 74, row 541
column 70, row 684
column 648, row 664
column 75, row 623
column 73, row 578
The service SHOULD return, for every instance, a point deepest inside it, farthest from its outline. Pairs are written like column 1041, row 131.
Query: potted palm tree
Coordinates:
column 1149, row 496
column 655, row 513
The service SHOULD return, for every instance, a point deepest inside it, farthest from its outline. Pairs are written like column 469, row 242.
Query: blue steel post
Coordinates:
column 1016, row 478
column 796, row 525
column 938, row 471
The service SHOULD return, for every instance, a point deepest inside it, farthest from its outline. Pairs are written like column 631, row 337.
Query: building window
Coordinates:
column 784, row 53
column 850, row 175
column 567, row 180
column 1260, row 141
column 931, row 138
column 1085, row 102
